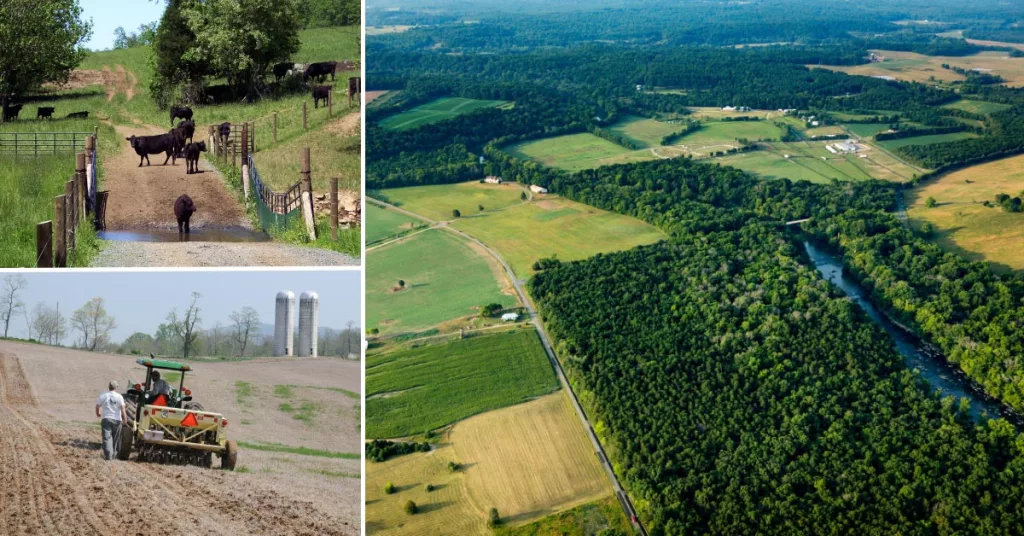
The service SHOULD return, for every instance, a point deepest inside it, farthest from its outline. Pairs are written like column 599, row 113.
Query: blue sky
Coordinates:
column 140, row 301
column 107, row 15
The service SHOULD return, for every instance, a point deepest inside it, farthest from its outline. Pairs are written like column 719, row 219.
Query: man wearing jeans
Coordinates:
column 110, row 409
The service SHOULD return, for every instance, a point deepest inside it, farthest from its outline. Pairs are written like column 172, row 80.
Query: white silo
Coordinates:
column 309, row 321
column 284, row 319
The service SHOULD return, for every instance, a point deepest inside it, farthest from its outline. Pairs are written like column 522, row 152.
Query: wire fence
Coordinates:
column 276, row 209
column 56, row 239
column 33, row 144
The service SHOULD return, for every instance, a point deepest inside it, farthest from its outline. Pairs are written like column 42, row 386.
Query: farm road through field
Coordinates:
column 53, row 482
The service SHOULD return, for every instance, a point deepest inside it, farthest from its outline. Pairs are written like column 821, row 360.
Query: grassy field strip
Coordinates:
column 445, row 278
column 965, row 226
column 925, row 140
column 912, row 67
column 436, row 202
column 438, row 110
column 422, row 389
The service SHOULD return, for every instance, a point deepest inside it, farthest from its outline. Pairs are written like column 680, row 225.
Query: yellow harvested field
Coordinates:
column 912, row 67
column 1019, row 46
column 528, row 461
column 963, row 224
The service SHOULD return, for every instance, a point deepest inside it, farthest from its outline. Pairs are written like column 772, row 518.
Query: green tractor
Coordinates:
column 168, row 427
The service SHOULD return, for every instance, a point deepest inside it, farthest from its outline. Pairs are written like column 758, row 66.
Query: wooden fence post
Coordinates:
column 60, row 256
column 252, row 137
column 245, row 161
column 90, row 178
column 95, row 132
column 80, row 185
column 213, row 140
column 304, row 124
column 234, row 154
column 330, row 102
column 44, row 245
column 334, row 208
column 275, row 127
column 69, row 215
column 307, row 194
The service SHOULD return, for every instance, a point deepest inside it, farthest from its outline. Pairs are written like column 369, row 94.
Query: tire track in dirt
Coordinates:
column 53, row 482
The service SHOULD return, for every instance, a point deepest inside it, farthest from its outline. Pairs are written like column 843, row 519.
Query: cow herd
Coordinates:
column 11, row 112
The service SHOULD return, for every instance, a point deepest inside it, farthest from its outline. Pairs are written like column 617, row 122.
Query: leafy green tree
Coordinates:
column 144, row 36
column 931, row 202
column 456, row 213
column 40, row 41
column 491, row 310
column 177, row 77
column 410, row 508
column 93, row 322
column 493, row 519
column 389, row 488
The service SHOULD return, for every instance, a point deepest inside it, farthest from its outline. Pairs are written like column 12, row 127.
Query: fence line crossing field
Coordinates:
column 554, row 226
column 963, row 224
column 437, row 202
column 422, row 389
column 445, row 278
column 434, row 111
column 528, row 461
column 382, row 223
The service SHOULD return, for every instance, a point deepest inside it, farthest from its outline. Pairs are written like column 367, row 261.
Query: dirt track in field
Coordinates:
column 143, row 197
column 53, row 482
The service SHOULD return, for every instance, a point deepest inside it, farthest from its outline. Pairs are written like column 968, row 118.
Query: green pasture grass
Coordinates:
column 29, row 184
column 726, row 134
column 437, row 201
column 978, row 107
column 243, row 391
column 574, row 152
column 805, row 163
column 445, row 279
column 866, row 130
column 438, row 110
column 330, row 155
column 926, row 140
column 644, row 131
column 830, row 130
column 302, row 451
column 382, row 223
column 553, row 226
column 413, row 391
column 584, row 520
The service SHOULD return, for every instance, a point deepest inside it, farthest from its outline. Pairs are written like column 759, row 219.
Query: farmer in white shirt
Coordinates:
column 110, row 409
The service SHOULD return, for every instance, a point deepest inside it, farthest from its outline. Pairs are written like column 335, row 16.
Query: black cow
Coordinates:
column 45, row 112
column 281, row 70
column 183, row 209
column 183, row 112
column 192, row 151
column 147, row 145
column 321, row 93
column 10, row 112
column 319, row 71
column 78, row 115
column 188, row 128
column 224, row 131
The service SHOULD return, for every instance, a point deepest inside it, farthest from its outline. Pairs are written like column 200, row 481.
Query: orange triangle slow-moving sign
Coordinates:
column 190, row 420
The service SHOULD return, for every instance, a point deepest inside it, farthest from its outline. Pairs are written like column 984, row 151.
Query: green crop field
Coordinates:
column 445, row 278
column 382, row 224
column 437, row 201
column 574, row 152
column 438, row 110
column 644, row 131
column 805, row 163
column 550, row 225
column 978, row 107
column 866, row 130
column 584, row 520
column 29, row 184
column 413, row 391
column 926, row 140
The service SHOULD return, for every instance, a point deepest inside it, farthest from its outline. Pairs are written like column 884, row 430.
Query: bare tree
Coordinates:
column 185, row 328
column 93, row 322
column 245, row 321
column 10, row 302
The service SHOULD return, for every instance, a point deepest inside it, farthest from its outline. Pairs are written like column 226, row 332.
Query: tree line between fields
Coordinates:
column 89, row 327
column 194, row 44
column 755, row 398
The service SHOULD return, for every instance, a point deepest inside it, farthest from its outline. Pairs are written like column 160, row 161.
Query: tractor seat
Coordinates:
column 160, row 400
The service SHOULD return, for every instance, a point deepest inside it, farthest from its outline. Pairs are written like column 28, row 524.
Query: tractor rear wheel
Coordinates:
column 230, row 456
column 124, row 450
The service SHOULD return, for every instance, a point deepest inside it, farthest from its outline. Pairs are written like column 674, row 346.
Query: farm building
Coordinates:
column 538, row 189
column 510, row 317
column 844, row 147
column 491, row 179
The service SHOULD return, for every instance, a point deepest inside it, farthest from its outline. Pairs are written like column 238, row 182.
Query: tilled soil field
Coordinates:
column 54, row 481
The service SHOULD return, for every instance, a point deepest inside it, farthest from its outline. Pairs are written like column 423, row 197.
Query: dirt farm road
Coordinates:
column 53, row 482
column 142, row 199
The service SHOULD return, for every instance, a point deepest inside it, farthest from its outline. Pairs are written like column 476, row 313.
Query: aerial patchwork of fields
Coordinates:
column 435, row 111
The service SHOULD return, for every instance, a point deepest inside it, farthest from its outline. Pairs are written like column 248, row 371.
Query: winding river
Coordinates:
column 932, row 367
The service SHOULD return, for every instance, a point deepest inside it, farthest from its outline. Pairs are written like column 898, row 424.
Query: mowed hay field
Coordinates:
column 575, row 152
column 912, row 67
column 644, row 131
column 438, row 110
column 414, row 391
column 926, row 140
column 445, row 278
column 806, row 162
column 553, row 226
column 963, row 225
column 528, row 461
column 978, row 107
column 382, row 223
column 436, row 202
